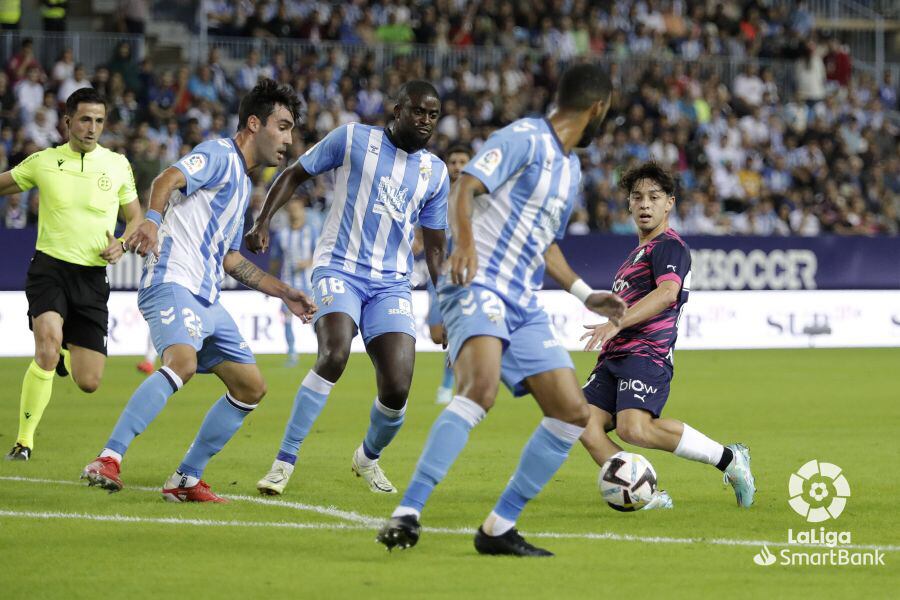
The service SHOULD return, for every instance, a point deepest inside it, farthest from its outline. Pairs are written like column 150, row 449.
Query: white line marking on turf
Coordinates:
column 363, row 522
column 177, row 521
column 329, row 511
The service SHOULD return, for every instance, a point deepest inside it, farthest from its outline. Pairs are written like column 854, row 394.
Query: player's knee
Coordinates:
column 185, row 366
column 580, row 415
column 482, row 392
column 394, row 398
column 88, row 383
column 257, row 392
column 332, row 361
column 633, row 433
column 46, row 349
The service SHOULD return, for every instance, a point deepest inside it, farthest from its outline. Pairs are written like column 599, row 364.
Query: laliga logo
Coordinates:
column 818, row 491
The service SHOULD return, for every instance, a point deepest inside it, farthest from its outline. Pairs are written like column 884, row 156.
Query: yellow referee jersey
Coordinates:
column 80, row 195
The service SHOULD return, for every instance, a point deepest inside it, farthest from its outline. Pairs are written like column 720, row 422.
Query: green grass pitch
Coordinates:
column 61, row 539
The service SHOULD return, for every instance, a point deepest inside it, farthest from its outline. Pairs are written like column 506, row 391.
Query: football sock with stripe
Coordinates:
column 542, row 457
column 308, row 404
column 145, row 404
column 221, row 423
column 447, row 438
column 384, row 423
column 37, row 386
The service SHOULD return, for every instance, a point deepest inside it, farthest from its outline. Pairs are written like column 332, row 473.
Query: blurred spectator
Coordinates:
column 15, row 216
column 23, row 60
column 133, row 16
column 76, row 81
column 29, row 94
column 64, row 67
column 810, row 74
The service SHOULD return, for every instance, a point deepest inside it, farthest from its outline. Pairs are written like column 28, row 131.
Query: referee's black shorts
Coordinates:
column 76, row 292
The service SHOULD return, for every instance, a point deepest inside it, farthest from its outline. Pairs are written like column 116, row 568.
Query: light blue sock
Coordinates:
column 448, row 376
column 308, row 403
column 289, row 334
column 448, row 437
column 384, row 423
column 221, row 423
column 145, row 404
column 543, row 455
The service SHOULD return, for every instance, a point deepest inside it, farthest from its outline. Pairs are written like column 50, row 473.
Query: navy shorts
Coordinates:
column 630, row 382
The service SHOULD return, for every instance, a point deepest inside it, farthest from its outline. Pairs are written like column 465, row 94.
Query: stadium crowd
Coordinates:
column 752, row 156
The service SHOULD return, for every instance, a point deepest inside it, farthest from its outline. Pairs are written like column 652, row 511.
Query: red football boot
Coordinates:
column 145, row 366
column 197, row 493
column 103, row 472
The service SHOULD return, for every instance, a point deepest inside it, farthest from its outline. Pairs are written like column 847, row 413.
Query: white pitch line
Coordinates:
column 176, row 520
column 363, row 522
column 329, row 511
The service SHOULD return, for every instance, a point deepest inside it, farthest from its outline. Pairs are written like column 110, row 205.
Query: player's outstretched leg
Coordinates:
column 245, row 390
column 334, row 333
column 393, row 355
column 638, row 427
column 145, row 404
column 478, row 373
column 566, row 414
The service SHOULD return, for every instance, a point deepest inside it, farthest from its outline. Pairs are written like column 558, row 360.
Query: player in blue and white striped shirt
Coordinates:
column 190, row 243
column 386, row 183
column 526, row 177
column 291, row 259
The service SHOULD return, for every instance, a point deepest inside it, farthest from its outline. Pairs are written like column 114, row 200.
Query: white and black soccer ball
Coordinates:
column 627, row 481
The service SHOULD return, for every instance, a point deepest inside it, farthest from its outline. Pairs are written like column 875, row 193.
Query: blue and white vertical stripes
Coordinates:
column 204, row 222
column 532, row 187
column 381, row 193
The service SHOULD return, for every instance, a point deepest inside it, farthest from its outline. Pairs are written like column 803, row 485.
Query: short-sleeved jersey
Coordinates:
column 291, row 246
column 664, row 258
column 80, row 199
column 532, row 185
column 204, row 222
column 380, row 194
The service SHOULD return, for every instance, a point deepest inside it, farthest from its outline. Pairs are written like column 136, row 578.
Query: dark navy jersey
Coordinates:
column 664, row 258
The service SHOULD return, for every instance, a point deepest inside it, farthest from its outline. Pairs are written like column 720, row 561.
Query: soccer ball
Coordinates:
column 627, row 481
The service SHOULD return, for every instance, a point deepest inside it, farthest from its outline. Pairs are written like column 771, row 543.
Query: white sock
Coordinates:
column 363, row 460
column 496, row 525
column 696, row 446
column 288, row 467
column 402, row 511
column 111, row 454
column 181, row 480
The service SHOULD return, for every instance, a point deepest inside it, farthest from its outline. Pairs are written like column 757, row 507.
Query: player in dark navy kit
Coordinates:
column 630, row 384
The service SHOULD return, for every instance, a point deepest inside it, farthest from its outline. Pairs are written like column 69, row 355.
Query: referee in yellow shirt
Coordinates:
column 82, row 186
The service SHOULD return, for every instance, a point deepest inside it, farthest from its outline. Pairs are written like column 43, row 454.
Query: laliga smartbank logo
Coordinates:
column 818, row 492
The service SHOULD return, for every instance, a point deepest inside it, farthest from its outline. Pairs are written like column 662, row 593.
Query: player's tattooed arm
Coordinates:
column 255, row 278
column 244, row 271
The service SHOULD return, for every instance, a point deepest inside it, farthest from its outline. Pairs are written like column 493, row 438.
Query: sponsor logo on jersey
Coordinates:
column 393, row 199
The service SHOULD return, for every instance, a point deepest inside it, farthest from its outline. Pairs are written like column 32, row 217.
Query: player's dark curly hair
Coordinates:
column 86, row 95
column 263, row 98
column 649, row 170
